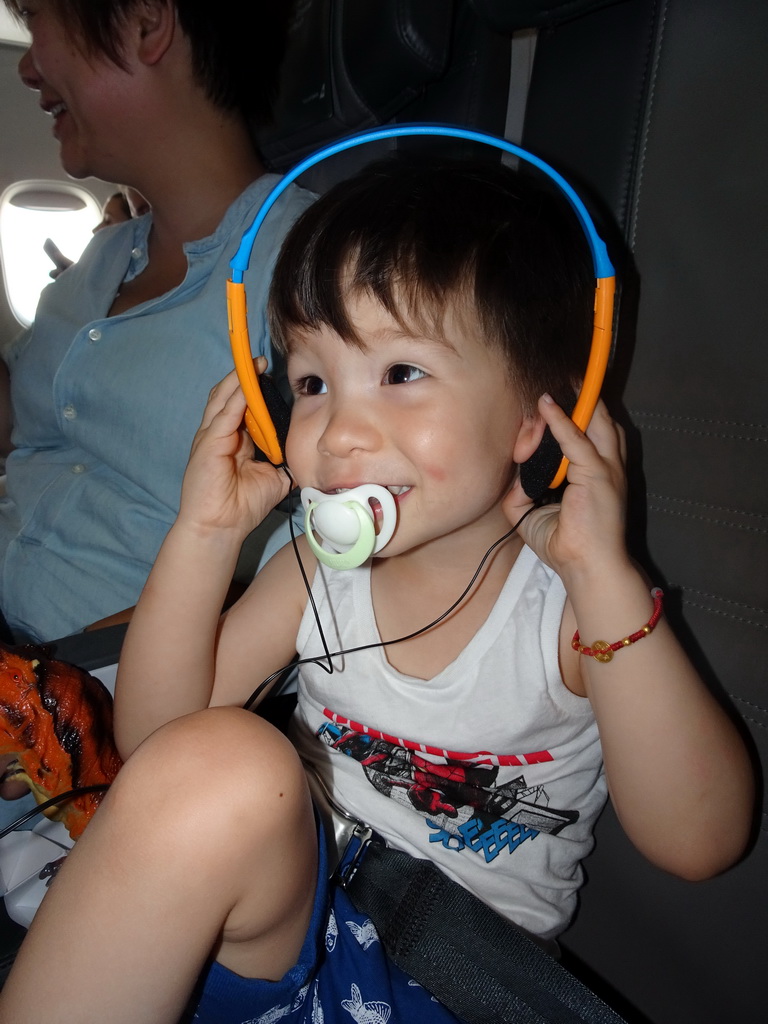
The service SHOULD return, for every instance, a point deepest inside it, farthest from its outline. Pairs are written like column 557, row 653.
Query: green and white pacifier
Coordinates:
column 346, row 524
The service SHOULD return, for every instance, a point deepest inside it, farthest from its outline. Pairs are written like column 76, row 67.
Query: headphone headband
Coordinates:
column 602, row 264
column 257, row 417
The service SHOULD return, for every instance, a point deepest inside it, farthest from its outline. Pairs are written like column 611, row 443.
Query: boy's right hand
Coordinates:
column 224, row 488
column 583, row 536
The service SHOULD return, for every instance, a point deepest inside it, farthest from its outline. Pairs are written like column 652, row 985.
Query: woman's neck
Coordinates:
column 189, row 197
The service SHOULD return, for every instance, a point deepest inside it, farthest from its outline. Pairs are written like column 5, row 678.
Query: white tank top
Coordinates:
column 492, row 769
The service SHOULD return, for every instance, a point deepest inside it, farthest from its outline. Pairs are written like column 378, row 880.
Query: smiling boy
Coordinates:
column 424, row 309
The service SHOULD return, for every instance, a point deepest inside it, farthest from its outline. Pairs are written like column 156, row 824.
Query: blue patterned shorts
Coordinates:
column 343, row 975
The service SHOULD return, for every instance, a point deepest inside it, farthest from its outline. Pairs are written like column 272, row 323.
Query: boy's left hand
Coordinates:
column 224, row 488
column 586, row 530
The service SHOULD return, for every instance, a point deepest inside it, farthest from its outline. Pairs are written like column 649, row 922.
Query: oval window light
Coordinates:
column 38, row 218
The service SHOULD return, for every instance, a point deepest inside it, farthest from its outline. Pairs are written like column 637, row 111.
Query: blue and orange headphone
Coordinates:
column 260, row 423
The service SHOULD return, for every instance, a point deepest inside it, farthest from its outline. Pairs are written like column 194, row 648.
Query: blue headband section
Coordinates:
column 602, row 264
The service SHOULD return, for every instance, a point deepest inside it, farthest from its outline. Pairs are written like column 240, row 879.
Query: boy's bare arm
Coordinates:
column 678, row 772
column 168, row 666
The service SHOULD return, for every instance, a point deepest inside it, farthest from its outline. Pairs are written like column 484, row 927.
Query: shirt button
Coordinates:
column 70, row 412
column 136, row 253
column 78, row 468
column 94, row 334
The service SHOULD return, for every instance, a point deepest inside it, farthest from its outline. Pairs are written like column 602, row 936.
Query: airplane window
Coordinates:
column 41, row 221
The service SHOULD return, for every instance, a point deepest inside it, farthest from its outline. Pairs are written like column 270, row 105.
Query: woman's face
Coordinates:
column 81, row 92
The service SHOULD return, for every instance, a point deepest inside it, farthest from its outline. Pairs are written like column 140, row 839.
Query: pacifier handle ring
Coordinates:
column 360, row 551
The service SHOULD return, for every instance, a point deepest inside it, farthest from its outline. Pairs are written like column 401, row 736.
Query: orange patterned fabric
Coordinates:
column 56, row 720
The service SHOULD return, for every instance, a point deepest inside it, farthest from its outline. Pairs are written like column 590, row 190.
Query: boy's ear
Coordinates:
column 528, row 437
column 155, row 26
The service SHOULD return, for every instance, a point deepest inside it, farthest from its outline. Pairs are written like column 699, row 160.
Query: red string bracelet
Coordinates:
column 602, row 651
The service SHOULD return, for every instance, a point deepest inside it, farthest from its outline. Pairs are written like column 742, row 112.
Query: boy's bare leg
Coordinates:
column 205, row 843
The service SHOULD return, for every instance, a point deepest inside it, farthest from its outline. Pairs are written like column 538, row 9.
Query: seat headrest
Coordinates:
column 351, row 66
column 508, row 16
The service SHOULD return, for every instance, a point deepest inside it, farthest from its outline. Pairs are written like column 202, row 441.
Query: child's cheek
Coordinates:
column 293, row 456
column 437, row 472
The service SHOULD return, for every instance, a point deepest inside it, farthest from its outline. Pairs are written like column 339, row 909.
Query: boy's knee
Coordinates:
column 225, row 740
column 225, row 760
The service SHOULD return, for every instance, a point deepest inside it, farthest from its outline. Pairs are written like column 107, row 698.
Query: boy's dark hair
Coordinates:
column 236, row 66
column 124, row 205
column 421, row 236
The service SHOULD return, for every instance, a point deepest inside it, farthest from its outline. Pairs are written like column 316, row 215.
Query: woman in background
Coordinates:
column 108, row 384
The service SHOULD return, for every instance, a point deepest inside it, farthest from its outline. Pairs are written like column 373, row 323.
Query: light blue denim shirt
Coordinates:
column 105, row 410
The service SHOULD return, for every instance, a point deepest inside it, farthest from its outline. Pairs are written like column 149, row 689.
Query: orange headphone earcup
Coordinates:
column 278, row 409
column 538, row 472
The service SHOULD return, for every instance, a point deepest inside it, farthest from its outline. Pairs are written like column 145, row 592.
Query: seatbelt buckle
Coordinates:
column 347, row 837
column 360, row 839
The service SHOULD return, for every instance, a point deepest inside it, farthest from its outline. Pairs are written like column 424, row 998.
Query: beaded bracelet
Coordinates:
column 602, row 651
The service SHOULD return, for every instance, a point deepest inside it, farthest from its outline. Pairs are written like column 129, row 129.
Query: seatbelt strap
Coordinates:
column 478, row 964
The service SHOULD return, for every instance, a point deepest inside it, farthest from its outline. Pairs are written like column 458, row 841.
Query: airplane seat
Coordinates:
column 394, row 61
column 652, row 106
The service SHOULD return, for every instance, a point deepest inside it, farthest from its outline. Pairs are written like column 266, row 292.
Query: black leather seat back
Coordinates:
column 657, row 107
column 388, row 62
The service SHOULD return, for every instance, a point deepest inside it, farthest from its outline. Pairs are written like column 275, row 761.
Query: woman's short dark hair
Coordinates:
column 422, row 236
column 236, row 65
